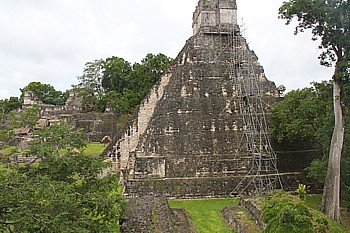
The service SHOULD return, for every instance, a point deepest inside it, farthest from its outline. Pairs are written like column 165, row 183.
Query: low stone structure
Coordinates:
column 147, row 214
column 254, row 210
column 73, row 103
column 95, row 125
column 237, row 219
column 245, row 218
column 183, row 223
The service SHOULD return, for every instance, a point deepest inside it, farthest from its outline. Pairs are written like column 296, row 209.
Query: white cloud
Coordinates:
column 288, row 59
column 50, row 41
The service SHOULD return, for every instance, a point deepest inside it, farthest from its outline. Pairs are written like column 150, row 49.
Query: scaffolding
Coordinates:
column 248, row 98
column 263, row 174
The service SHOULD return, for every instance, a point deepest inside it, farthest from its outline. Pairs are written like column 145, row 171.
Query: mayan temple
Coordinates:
column 187, row 138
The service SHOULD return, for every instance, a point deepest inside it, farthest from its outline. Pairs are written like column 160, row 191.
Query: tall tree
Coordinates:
column 329, row 21
column 115, row 74
column 8, row 105
column 89, row 87
column 148, row 72
column 304, row 117
column 127, row 85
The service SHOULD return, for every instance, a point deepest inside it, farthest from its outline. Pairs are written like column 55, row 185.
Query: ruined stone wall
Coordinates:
column 238, row 220
column 182, row 188
column 95, row 125
column 200, row 187
column 183, row 223
column 147, row 214
column 254, row 210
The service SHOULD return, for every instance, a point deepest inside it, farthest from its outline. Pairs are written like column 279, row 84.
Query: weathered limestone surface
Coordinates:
column 199, row 187
column 211, row 14
column 186, row 140
column 95, row 125
column 237, row 219
column 188, row 131
column 254, row 211
column 183, row 223
column 148, row 214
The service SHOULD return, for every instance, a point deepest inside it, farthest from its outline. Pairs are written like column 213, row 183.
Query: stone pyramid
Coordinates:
column 185, row 140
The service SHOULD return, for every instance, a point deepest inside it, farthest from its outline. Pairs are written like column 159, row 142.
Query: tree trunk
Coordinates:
column 331, row 191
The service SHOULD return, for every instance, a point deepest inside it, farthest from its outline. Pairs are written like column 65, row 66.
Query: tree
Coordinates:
column 284, row 213
column 62, row 194
column 115, row 83
column 115, row 74
column 329, row 20
column 52, row 139
column 46, row 93
column 89, row 87
column 127, row 85
column 28, row 118
column 148, row 72
column 8, row 105
column 9, row 122
column 304, row 117
column 304, row 120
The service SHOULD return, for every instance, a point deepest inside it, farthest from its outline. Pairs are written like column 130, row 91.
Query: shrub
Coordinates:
column 284, row 215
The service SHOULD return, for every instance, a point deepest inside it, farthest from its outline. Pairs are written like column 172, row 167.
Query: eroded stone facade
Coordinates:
column 189, row 128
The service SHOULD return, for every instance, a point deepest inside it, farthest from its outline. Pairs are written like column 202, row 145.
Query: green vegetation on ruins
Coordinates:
column 284, row 212
column 46, row 93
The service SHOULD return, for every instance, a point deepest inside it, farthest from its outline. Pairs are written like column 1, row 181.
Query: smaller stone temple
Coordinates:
column 186, row 138
column 96, row 126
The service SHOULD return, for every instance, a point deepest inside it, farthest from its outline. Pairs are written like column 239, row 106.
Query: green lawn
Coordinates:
column 8, row 150
column 94, row 148
column 205, row 213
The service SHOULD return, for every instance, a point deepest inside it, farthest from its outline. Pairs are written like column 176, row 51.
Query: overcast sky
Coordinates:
column 51, row 40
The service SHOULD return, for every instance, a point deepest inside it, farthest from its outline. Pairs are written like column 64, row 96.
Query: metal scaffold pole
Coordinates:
column 263, row 174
